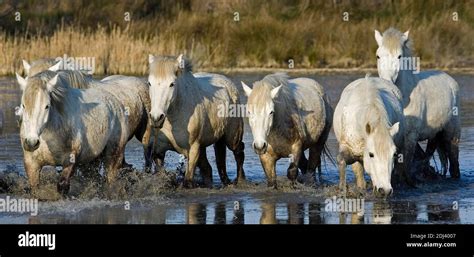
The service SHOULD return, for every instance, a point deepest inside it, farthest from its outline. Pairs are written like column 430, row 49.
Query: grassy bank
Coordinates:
column 267, row 34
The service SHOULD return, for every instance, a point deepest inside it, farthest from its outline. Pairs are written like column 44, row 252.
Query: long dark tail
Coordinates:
column 327, row 154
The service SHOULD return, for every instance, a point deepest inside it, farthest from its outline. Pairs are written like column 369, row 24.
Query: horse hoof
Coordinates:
column 272, row 184
column 226, row 182
column 207, row 184
column 240, row 181
column 188, row 184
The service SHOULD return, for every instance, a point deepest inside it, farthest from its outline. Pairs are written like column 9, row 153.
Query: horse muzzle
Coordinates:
column 260, row 148
column 157, row 122
column 383, row 192
column 31, row 145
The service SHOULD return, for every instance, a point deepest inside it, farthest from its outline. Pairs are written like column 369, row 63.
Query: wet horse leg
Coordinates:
column 220, row 152
column 64, row 183
column 315, row 159
column 193, row 158
column 268, row 162
column 32, row 169
column 113, row 161
column 239, row 157
column 358, row 170
column 342, row 160
column 205, row 168
column 292, row 171
column 452, row 147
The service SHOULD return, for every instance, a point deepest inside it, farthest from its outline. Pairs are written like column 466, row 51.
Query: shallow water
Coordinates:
column 441, row 201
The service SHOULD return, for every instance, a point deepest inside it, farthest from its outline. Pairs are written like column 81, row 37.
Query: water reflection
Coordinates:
column 258, row 212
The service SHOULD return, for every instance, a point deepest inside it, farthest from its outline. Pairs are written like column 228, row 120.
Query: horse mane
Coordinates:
column 393, row 38
column 285, row 105
column 164, row 65
column 77, row 79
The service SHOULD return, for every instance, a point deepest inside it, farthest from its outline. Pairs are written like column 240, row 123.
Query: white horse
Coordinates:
column 430, row 100
column 369, row 126
column 185, row 107
column 132, row 92
column 64, row 126
column 288, row 116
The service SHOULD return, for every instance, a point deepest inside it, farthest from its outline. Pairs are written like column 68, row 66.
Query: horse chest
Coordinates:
column 280, row 145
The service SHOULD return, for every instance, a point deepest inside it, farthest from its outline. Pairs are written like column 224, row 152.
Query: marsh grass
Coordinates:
column 268, row 34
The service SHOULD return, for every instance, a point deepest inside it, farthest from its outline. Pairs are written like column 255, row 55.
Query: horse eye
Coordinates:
column 172, row 84
column 272, row 112
column 400, row 56
column 47, row 107
column 148, row 83
column 378, row 57
column 371, row 155
column 23, row 106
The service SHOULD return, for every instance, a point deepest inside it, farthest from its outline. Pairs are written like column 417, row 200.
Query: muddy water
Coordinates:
column 438, row 201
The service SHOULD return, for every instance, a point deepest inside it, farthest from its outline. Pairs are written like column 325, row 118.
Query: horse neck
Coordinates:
column 187, row 94
column 59, row 121
column 406, row 80
column 283, row 121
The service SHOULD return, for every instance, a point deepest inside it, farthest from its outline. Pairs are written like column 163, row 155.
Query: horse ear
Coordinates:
column 405, row 35
column 180, row 61
column 275, row 91
column 367, row 128
column 21, row 81
column 394, row 129
column 247, row 89
column 52, row 83
column 57, row 66
column 378, row 37
column 151, row 58
column 26, row 66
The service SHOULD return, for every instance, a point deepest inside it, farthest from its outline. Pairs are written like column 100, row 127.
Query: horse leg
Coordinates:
column 32, row 169
column 64, row 183
column 358, row 170
column 315, row 159
column 235, row 144
column 443, row 159
column 342, row 163
column 239, row 157
column 452, row 146
column 145, row 138
column 268, row 162
column 205, row 168
column 113, row 161
column 410, row 145
column 193, row 158
column 159, row 159
column 220, row 152
column 292, row 171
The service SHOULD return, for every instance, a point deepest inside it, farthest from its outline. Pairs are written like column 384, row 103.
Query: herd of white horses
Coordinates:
column 70, row 119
